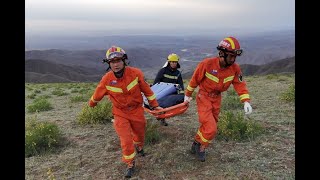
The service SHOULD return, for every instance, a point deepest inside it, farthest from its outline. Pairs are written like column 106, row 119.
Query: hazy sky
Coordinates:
column 167, row 17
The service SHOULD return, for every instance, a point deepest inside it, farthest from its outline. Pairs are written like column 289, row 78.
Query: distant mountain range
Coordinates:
column 75, row 61
column 281, row 66
column 43, row 71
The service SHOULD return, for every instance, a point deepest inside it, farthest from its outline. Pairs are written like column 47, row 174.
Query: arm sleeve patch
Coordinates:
column 240, row 77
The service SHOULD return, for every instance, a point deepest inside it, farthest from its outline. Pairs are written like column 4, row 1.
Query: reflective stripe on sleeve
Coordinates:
column 244, row 96
column 151, row 97
column 189, row 88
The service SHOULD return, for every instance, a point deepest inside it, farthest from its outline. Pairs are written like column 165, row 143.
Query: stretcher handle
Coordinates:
column 185, row 103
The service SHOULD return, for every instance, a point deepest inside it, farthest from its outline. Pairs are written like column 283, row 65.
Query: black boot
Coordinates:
column 195, row 145
column 163, row 122
column 202, row 155
column 140, row 151
column 197, row 149
column 130, row 170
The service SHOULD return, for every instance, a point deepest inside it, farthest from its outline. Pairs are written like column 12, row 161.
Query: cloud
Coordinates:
column 62, row 16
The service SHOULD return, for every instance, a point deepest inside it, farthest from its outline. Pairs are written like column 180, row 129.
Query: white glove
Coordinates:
column 187, row 98
column 247, row 108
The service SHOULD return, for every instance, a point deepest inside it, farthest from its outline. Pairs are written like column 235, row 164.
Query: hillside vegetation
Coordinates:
column 93, row 151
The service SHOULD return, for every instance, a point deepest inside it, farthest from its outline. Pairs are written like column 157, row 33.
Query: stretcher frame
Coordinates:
column 169, row 111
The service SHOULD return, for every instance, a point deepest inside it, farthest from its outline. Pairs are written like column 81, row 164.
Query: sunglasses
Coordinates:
column 235, row 52
column 238, row 52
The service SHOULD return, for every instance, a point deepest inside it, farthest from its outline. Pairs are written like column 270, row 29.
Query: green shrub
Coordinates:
column 37, row 91
column 39, row 104
column 84, row 91
column 74, row 90
column 231, row 92
column 46, row 96
column 272, row 76
column 78, row 98
column 231, row 100
column 194, row 95
column 32, row 96
column 283, row 78
column 59, row 92
column 41, row 137
column 289, row 95
column 88, row 94
column 101, row 113
column 152, row 134
column 28, row 88
column 233, row 126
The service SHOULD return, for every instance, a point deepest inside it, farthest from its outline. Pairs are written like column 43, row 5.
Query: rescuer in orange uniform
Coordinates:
column 214, row 75
column 124, row 85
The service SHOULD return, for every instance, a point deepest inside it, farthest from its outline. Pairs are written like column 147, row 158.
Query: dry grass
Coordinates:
column 93, row 152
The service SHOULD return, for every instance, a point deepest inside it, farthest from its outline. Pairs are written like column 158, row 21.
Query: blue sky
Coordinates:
column 161, row 17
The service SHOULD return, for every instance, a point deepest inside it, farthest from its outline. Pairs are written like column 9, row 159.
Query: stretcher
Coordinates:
column 163, row 90
column 169, row 111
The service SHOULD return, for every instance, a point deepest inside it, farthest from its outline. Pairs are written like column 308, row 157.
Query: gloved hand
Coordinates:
column 187, row 98
column 247, row 108
column 158, row 108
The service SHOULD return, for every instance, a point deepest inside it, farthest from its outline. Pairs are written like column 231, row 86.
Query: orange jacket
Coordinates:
column 124, row 93
column 213, row 79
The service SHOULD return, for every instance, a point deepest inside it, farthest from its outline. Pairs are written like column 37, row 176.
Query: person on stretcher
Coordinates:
column 169, row 73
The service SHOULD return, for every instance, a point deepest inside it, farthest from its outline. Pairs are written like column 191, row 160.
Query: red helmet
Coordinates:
column 115, row 52
column 230, row 44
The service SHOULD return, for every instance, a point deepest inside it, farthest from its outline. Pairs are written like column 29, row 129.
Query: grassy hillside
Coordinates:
column 93, row 151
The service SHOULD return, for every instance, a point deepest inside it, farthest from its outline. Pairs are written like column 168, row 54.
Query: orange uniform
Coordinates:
column 212, row 80
column 125, row 95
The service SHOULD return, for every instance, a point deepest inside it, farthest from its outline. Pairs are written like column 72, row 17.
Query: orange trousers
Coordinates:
column 208, row 113
column 131, row 133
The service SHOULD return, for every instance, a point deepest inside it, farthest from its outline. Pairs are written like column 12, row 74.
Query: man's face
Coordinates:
column 231, row 57
column 173, row 64
column 116, row 64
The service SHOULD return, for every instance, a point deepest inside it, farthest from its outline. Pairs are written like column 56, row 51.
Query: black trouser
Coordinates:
column 171, row 100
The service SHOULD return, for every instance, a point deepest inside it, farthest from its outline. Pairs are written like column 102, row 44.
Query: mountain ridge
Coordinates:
column 43, row 71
